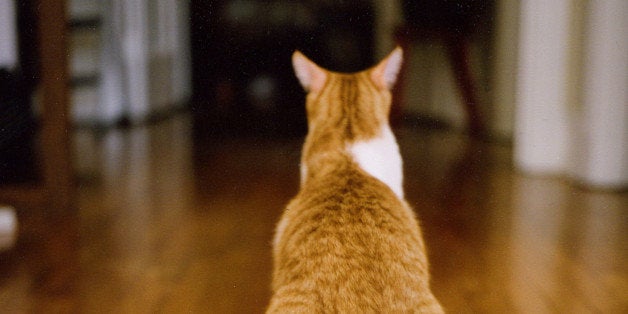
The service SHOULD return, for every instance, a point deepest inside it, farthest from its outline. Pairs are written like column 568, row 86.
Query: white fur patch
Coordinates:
column 380, row 158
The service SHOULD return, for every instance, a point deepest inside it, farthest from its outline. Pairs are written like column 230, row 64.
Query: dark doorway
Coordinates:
column 241, row 50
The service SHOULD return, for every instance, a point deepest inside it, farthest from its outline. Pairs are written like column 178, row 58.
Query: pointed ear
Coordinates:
column 311, row 76
column 385, row 73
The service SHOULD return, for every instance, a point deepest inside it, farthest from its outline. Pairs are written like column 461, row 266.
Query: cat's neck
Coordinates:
column 378, row 156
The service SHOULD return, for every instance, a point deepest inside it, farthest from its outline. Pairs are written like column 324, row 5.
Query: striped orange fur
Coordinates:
column 349, row 242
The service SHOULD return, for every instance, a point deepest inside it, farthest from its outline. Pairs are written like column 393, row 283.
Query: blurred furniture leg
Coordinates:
column 50, row 198
column 456, row 40
column 54, row 192
column 458, row 49
column 55, row 124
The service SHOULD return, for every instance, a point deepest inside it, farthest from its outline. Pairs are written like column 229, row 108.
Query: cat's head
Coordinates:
column 354, row 104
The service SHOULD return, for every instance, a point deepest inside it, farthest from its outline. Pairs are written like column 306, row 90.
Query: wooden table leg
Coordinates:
column 55, row 124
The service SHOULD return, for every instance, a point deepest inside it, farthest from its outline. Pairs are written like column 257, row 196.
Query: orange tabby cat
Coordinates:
column 348, row 242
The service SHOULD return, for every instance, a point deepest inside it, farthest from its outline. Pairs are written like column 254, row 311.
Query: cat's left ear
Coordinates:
column 385, row 73
column 310, row 75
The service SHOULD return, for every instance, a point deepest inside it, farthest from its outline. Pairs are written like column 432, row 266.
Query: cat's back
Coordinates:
column 350, row 245
column 348, row 242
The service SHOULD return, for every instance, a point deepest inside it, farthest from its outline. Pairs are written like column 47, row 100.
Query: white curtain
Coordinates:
column 145, row 58
column 571, row 116
column 8, row 35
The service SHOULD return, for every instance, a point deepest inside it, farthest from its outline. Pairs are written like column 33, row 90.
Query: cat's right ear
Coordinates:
column 310, row 75
column 385, row 73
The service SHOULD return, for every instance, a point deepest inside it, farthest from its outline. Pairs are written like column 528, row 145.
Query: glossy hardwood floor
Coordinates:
column 166, row 225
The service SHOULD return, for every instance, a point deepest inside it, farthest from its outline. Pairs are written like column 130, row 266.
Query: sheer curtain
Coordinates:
column 571, row 116
column 145, row 58
column 8, row 35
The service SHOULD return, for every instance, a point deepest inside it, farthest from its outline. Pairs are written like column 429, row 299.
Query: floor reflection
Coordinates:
column 568, row 249
column 168, row 224
column 177, row 226
column 538, row 218
column 501, row 242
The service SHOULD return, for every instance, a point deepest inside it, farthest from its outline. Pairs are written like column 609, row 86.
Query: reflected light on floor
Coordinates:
column 169, row 224
column 567, row 250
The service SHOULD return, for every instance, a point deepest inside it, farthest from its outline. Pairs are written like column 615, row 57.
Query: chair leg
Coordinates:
column 458, row 49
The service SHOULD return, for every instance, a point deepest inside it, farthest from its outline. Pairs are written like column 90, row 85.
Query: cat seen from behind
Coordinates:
column 349, row 242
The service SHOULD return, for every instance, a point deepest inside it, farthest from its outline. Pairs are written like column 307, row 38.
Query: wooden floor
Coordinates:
column 166, row 225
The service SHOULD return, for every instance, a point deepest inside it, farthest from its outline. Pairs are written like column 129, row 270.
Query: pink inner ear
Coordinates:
column 310, row 75
column 385, row 73
column 318, row 80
